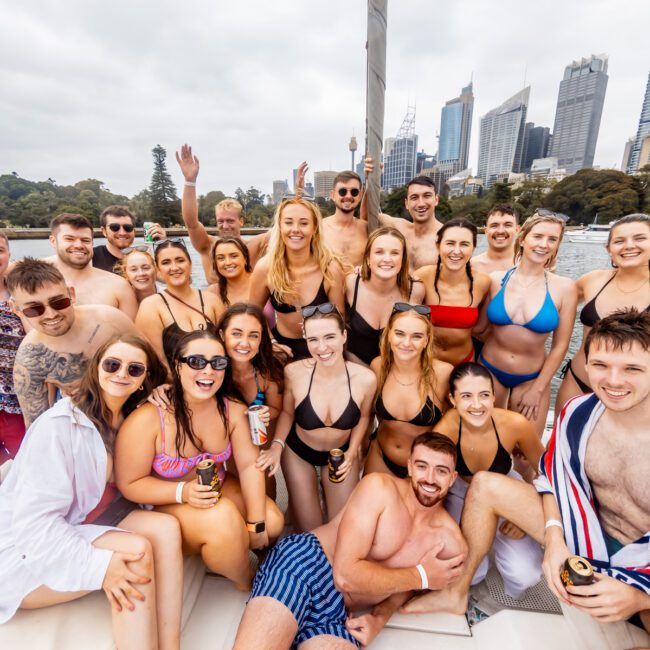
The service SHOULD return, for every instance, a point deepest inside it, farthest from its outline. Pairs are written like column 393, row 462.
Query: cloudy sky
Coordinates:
column 88, row 87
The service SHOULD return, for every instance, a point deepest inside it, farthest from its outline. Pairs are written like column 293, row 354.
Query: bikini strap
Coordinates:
column 202, row 306
column 460, row 430
column 198, row 311
column 356, row 291
column 311, row 379
column 257, row 383
column 506, row 277
column 494, row 426
column 603, row 287
column 169, row 309
column 162, row 428
column 347, row 372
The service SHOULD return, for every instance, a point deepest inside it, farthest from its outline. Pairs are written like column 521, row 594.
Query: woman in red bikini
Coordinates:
column 453, row 291
column 158, row 451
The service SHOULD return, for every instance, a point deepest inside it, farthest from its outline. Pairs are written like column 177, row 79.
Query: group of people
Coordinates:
column 427, row 366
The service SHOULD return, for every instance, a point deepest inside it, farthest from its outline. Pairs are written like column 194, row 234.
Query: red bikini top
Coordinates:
column 453, row 317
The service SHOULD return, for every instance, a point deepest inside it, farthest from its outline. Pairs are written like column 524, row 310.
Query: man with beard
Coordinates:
column 72, row 238
column 501, row 228
column 54, row 353
column 392, row 538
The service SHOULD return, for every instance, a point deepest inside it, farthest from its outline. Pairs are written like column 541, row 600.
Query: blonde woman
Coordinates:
column 138, row 268
column 298, row 271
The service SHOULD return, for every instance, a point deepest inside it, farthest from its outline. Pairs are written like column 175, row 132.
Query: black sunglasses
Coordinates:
column 171, row 240
column 39, row 308
column 423, row 310
column 115, row 227
column 197, row 362
column 343, row 191
column 325, row 308
column 111, row 366
column 141, row 248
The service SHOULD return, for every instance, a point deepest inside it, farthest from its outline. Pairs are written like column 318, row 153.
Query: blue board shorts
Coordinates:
column 297, row 573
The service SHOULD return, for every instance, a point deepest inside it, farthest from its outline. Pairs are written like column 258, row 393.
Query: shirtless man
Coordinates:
column 501, row 228
column 393, row 537
column 229, row 215
column 605, row 516
column 63, row 337
column 72, row 238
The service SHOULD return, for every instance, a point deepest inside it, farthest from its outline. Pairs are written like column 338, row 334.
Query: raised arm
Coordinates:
column 189, row 165
column 383, row 218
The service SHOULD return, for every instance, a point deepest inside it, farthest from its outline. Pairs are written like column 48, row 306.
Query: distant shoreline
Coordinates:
column 44, row 233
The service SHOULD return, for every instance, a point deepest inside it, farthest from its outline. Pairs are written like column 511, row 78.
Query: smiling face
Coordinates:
column 432, row 474
column 121, row 384
column 120, row 239
column 500, row 230
column 346, row 203
column 201, row 384
column 52, row 322
column 456, row 248
column 174, row 266
column 421, row 202
column 629, row 245
column 408, row 336
column 473, row 398
column 620, row 378
column 229, row 260
column 74, row 246
column 243, row 336
column 541, row 244
column 297, row 226
column 385, row 258
column 325, row 340
column 140, row 271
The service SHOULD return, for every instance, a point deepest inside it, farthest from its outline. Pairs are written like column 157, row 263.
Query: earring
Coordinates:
column 141, row 387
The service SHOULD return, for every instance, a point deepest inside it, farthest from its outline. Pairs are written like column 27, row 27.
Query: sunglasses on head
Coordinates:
column 115, row 227
column 38, row 309
column 197, row 362
column 111, row 366
column 304, row 197
column 141, row 248
column 343, row 191
column 545, row 212
column 423, row 310
column 325, row 308
column 171, row 240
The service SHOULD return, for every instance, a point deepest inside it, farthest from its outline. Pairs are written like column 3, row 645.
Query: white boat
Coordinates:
column 594, row 233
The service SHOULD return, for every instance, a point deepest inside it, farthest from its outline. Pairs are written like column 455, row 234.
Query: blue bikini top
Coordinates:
column 546, row 320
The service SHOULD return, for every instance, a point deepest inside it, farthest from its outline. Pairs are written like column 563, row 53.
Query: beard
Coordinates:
column 74, row 263
column 425, row 499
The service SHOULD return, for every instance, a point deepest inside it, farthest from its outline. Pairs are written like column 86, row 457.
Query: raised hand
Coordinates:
column 188, row 163
column 299, row 188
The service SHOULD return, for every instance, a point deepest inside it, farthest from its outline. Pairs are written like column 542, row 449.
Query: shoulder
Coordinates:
column 143, row 419
column 377, row 482
column 362, row 374
column 210, row 296
column 151, row 302
column 262, row 265
column 509, row 421
column 104, row 313
column 375, row 365
column 236, row 409
column 482, row 280
column 425, row 273
column 442, row 369
column 594, row 280
column 296, row 369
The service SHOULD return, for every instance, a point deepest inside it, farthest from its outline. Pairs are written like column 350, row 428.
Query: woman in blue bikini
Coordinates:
column 528, row 303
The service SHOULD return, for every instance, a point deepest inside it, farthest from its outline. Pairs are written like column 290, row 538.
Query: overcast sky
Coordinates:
column 88, row 88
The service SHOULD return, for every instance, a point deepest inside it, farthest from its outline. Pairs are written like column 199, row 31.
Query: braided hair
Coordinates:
column 456, row 223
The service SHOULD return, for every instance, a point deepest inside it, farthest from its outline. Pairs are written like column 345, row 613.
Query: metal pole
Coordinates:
column 376, row 88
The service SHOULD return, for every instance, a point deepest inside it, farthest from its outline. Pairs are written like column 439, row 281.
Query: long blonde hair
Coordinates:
column 402, row 279
column 278, row 278
column 526, row 228
column 427, row 379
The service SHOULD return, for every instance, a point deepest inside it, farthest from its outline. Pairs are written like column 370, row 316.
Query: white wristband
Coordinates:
column 554, row 522
column 279, row 442
column 423, row 576
column 179, row 491
column 189, row 184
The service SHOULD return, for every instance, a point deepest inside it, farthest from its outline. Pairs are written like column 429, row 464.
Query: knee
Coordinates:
column 274, row 519
column 481, row 488
column 223, row 522
column 520, row 567
column 166, row 533
column 140, row 545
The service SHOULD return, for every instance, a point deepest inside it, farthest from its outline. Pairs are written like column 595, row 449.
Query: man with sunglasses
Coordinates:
column 118, row 226
column 53, row 355
column 72, row 238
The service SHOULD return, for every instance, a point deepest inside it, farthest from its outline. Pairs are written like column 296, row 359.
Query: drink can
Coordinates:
column 335, row 460
column 577, row 571
column 259, row 434
column 147, row 227
column 206, row 473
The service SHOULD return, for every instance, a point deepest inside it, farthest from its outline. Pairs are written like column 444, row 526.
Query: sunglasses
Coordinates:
column 39, row 308
column 545, row 212
column 198, row 363
column 343, row 191
column 115, row 227
column 111, row 366
column 304, row 197
column 171, row 240
column 423, row 310
column 325, row 308
column 133, row 249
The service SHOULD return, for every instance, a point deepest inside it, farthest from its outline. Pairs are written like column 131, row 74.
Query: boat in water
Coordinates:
column 593, row 233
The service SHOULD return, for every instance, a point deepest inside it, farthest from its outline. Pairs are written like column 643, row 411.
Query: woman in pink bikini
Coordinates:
column 158, row 451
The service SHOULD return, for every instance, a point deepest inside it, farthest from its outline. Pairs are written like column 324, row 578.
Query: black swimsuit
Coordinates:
column 501, row 464
column 307, row 418
column 363, row 340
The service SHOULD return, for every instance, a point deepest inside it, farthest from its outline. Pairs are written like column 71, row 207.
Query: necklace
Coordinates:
column 401, row 383
column 530, row 284
column 618, row 286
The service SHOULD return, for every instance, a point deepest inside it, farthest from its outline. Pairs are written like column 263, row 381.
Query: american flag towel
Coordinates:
column 562, row 473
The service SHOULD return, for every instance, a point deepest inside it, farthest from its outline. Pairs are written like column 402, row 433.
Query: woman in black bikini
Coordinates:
column 383, row 281
column 412, row 386
column 603, row 292
column 485, row 438
column 297, row 271
column 312, row 422
column 167, row 316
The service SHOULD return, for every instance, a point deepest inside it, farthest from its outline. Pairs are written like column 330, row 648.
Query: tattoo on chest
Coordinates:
column 92, row 336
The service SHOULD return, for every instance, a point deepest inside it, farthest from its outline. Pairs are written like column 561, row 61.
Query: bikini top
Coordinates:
column 501, row 464
column 307, row 418
column 284, row 308
column 546, row 320
column 176, row 467
column 589, row 314
column 363, row 340
column 427, row 416
column 259, row 397
column 453, row 317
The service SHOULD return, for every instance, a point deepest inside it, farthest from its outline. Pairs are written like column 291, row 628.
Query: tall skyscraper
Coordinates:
column 400, row 159
column 323, row 183
column 635, row 163
column 627, row 152
column 280, row 188
column 536, row 144
column 456, row 128
column 577, row 115
column 501, row 139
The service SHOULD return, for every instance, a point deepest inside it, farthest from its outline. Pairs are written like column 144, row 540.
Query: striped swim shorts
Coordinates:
column 297, row 573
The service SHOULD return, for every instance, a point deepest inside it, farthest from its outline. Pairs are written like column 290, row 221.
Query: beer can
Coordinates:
column 147, row 227
column 206, row 473
column 577, row 571
column 334, row 461
column 258, row 428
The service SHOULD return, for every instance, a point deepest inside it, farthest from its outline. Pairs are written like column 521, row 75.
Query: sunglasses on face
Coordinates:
column 39, row 308
column 111, row 366
column 423, row 310
column 196, row 362
column 132, row 249
column 325, row 308
column 115, row 227
column 343, row 191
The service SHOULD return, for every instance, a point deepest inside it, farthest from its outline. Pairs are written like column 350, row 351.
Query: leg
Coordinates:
column 568, row 388
column 540, row 421
column 219, row 535
column 327, row 642
column 302, row 485
column 337, row 494
column 266, row 623
column 490, row 496
column 164, row 533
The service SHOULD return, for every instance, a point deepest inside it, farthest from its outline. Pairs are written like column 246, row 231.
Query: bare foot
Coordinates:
column 445, row 600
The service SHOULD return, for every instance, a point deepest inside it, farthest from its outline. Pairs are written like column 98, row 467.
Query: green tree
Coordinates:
column 165, row 204
column 140, row 205
column 207, row 204
column 393, row 203
column 501, row 192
